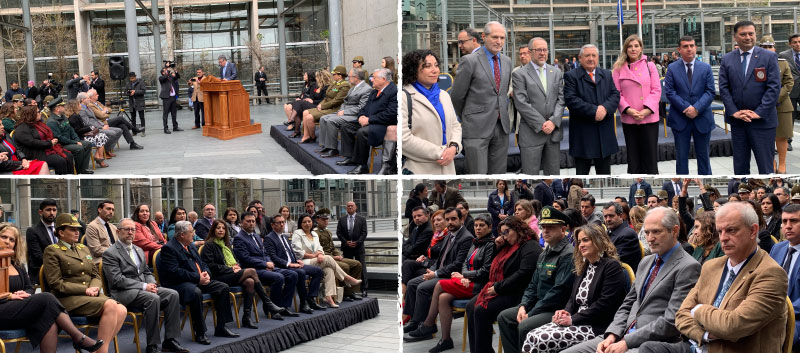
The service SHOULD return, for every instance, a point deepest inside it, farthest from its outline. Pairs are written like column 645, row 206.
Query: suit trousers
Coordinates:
column 665, row 347
column 259, row 90
column 512, row 332
column 602, row 166
column 151, row 304
column 487, row 156
column 331, row 272
column 315, row 275
column 760, row 141
column 352, row 268
column 329, row 126
column 281, row 285
column 220, row 294
column 361, row 151
column 796, row 112
column 590, row 346
column 199, row 114
column 113, row 134
column 124, row 125
column 701, row 150
column 544, row 155
column 170, row 107
column 641, row 143
column 81, row 153
column 359, row 255
column 419, row 293
column 480, row 321
column 141, row 116
column 62, row 166
column 349, row 130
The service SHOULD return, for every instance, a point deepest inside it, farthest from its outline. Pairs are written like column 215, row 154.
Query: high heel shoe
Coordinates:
column 311, row 140
column 99, row 162
column 295, row 135
column 349, row 284
column 290, row 127
column 79, row 345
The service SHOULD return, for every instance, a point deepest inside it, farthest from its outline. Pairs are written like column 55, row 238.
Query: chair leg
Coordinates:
column 116, row 344
column 188, row 314
column 464, row 335
column 499, row 344
column 255, row 308
column 136, row 332
column 372, row 153
column 16, row 347
column 2, row 347
column 236, row 310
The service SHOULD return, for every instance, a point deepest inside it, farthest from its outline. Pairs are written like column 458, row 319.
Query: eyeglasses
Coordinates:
column 279, row 222
column 540, row 50
column 127, row 229
column 461, row 42
column 505, row 232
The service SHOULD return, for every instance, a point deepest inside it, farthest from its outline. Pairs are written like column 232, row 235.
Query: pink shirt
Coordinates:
column 639, row 86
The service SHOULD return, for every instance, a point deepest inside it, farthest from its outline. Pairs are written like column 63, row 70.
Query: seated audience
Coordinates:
column 346, row 116
column 706, row 238
column 102, row 113
column 418, row 240
column 36, row 141
column 89, row 134
column 413, row 268
column 12, row 161
column 203, row 225
column 231, row 218
column 148, row 237
column 622, row 236
column 785, row 254
column 417, row 197
column 771, row 208
column 89, row 120
column 63, row 131
column 290, row 225
column 314, row 88
column 350, row 266
column 101, row 233
column 523, row 209
column 500, row 204
column 8, row 116
column 334, row 97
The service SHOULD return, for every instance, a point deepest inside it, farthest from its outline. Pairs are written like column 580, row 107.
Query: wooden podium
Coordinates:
column 227, row 109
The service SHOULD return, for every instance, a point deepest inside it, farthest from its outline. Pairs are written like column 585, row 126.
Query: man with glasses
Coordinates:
column 624, row 238
column 132, row 284
column 330, row 124
column 100, row 232
column 782, row 193
column 469, row 41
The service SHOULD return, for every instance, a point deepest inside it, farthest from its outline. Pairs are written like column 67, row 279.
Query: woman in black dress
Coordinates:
column 315, row 96
column 291, row 109
column 40, row 315
column 218, row 255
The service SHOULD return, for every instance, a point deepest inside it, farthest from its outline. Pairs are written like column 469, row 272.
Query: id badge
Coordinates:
column 760, row 74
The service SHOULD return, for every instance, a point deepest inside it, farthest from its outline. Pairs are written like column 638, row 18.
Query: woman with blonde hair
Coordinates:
column 97, row 138
column 639, row 88
column 315, row 96
column 524, row 210
column 636, row 215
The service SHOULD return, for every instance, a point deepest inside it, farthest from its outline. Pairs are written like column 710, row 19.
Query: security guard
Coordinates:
column 47, row 108
column 745, row 191
column 549, row 288
column 663, row 198
column 639, row 197
column 350, row 266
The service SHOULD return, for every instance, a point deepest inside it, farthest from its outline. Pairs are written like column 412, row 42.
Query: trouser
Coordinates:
column 665, row 347
column 411, row 269
column 141, row 116
column 151, row 305
column 590, row 346
column 113, row 133
column 513, row 333
column 349, row 130
column 352, row 268
column 124, row 125
column 329, row 126
column 601, row 165
column 331, row 272
column 81, row 153
column 199, row 114
column 220, row 294
column 642, row 147
column 419, row 293
column 760, row 141
column 487, row 155
column 358, row 254
column 170, row 107
column 480, row 321
column 62, row 165
column 796, row 106
column 259, row 91
column 315, row 273
column 544, row 155
column 362, row 147
column 701, row 150
column 281, row 285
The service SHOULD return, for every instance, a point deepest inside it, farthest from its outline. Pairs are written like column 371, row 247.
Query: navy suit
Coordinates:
column 177, row 269
column 251, row 254
column 740, row 92
column 382, row 112
column 544, row 193
column 648, row 190
column 201, row 227
column 229, row 72
column 681, row 95
column 280, row 251
column 670, row 189
column 778, row 253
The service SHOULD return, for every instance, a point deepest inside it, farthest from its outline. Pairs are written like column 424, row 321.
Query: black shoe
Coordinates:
column 789, row 147
column 166, row 131
column 411, row 326
column 359, row 170
column 315, row 306
column 79, row 345
column 442, row 346
column 346, row 162
column 176, row 129
column 286, row 123
column 172, row 345
column 136, row 146
column 153, row 349
column 356, row 296
column 348, row 298
column 286, row 312
column 246, row 323
column 364, row 294
column 311, row 140
column 225, row 332
column 86, row 172
column 295, row 135
column 420, row 334
column 275, row 316
column 202, row 339
column 322, row 150
column 332, row 153
column 305, row 309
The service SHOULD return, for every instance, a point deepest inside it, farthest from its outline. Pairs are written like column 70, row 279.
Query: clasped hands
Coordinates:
column 464, row 281
column 746, row 115
column 638, row 114
column 92, row 291
column 19, row 295
column 562, row 318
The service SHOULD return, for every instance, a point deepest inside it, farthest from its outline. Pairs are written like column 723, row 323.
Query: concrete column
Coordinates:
column 156, row 40
column 23, row 209
column 169, row 31
column 445, row 59
column 132, row 37
column 335, row 29
column 187, row 193
column 3, row 81
column 254, row 31
column 703, row 37
column 282, row 49
column 26, row 21
column 155, row 196
column 82, row 38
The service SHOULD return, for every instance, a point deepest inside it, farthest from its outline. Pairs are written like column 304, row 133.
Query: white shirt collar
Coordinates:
column 689, row 62
column 102, row 222
column 734, row 269
column 749, row 51
column 537, row 67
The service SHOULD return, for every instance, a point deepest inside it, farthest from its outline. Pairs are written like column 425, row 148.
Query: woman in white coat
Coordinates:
column 306, row 246
column 431, row 131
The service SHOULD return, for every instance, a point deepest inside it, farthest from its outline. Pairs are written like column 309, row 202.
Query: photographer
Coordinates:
column 99, row 85
column 169, row 95
column 197, row 99
column 50, row 87
column 135, row 90
column 76, row 85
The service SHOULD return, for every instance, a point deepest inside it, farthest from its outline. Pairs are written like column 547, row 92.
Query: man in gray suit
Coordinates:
column 330, row 124
column 227, row 70
column 648, row 312
column 539, row 99
column 792, row 55
column 132, row 284
column 480, row 98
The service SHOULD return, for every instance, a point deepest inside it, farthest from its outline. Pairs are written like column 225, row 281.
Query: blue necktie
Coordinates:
column 744, row 63
column 725, row 287
column 797, row 60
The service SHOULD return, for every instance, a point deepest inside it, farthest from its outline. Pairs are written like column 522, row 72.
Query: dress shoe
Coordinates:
column 442, row 346
column 195, row 127
column 309, row 140
column 246, row 317
column 136, row 146
column 305, row 309
column 172, row 345
column 346, row 162
column 276, row 316
column 295, row 135
column 789, row 147
column 330, row 154
column 420, row 334
column 286, row 123
column 286, row 312
column 322, row 150
column 411, row 326
column 176, row 129
column 166, row 131
column 315, row 306
column 359, row 170
column 86, row 172
column 364, row 293
column 153, row 349
column 348, row 298
column 355, row 296
column 79, row 345
column 202, row 339
column 225, row 332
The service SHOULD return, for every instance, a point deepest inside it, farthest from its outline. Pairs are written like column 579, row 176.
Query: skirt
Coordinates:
column 84, row 305
column 34, row 168
column 98, row 140
column 552, row 338
column 35, row 314
column 231, row 279
column 454, row 287
column 301, row 106
column 784, row 129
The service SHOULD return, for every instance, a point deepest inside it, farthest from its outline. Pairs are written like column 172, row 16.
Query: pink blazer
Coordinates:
column 638, row 89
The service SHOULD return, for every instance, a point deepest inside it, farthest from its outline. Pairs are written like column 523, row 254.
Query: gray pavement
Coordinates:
column 456, row 333
column 190, row 153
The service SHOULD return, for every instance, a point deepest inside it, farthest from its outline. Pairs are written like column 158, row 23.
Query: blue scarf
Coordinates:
column 432, row 95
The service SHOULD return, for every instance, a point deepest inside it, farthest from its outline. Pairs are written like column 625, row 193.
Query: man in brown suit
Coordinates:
column 350, row 266
column 98, row 238
column 444, row 197
column 197, row 98
column 741, row 304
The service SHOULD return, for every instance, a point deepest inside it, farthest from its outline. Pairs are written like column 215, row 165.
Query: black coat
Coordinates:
column 359, row 234
column 494, row 207
column 33, row 93
column 77, row 125
column 37, row 238
column 418, row 241
column 10, row 165
column 176, row 267
column 256, row 79
column 587, row 137
column 453, row 259
column 167, row 82
column 626, row 241
column 606, row 293
column 482, row 262
column 100, row 86
column 136, row 101
column 213, row 258
column 381, row 111
column 543, row 193
column 30, row 143
column 518, row 270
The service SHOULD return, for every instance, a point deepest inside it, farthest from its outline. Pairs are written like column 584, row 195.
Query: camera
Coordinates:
column 169, row 64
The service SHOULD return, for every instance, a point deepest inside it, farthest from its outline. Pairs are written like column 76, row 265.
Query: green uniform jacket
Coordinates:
column 326, row 240
column 8, row 125
column 62, row 130
column 715, row 253
column 551, row 285
column 334, row 96
column 68, row 271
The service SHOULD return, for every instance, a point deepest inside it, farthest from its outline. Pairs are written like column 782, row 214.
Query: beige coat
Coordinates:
column 98, row 239
column 422, row 144
column 197, row 94
column 99, row 111
column 301, row 245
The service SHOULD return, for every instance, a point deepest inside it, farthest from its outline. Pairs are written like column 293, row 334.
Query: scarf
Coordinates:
column 46, row 135
column 226, row 252
column 435, row 239
column 496, row 273
column 11, row 148
column 432, row 95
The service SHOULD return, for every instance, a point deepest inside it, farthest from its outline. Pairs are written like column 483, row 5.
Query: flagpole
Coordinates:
column 620, row 22
column 639, row 16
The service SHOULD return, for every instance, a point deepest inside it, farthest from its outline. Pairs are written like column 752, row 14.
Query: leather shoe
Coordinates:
column 176, row 129
column 359, row 170
column 166, row 131
column 86, row 172
column 422, row 332
column 346, row 162
column 153, row 349
column 355, row 296
column 276, row 316
column 410, row 326
column 315, row 306
column 202, row 339
column 136, row 146
column 322, row 150
column 442, row 346
column 286, row 312
column 347, row 298
column 305, row 309
column 172, row 345
column 330, row 154
column 225, row 332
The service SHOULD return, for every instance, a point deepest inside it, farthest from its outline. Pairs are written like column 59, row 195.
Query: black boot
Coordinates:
column 247, row 310
column 269, row 306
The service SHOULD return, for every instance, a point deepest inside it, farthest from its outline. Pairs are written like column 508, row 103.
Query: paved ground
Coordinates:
column 190, row 153
column 378, row 335
column 456, row 332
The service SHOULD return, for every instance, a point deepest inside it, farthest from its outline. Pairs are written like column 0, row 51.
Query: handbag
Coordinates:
column 407, row 171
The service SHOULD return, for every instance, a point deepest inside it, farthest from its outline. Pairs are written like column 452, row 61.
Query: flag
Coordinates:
column 639, row 11
column 620, row 19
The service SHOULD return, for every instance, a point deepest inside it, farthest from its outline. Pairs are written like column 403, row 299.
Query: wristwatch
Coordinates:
column 453, row 144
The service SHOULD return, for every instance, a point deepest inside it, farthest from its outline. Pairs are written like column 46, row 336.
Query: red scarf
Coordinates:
column 496, row 272
column 435, row 240
column 47, row 135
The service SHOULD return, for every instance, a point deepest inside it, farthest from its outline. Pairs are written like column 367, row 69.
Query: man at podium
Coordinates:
column 227, row 70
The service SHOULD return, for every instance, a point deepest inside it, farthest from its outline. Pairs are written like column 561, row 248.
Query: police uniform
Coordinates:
column 350, row 266
column 639, row 195
column 548, row 291
column 69, row 271
column 334, row 96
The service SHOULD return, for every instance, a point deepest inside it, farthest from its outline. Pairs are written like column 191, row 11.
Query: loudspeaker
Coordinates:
column 116, row 67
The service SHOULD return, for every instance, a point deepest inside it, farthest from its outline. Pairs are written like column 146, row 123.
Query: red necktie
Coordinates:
column 379, row 94
column 496, row 72
column 650, row 280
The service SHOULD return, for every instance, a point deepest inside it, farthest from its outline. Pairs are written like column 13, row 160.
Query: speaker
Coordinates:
column 116, row 67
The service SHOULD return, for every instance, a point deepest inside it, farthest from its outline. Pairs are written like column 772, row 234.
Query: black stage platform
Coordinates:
column 271, row 335
column 304, row 153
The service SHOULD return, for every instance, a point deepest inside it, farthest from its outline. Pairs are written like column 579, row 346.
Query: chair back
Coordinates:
column 42, row 282
column 83, row 239
column 774, row 240
column 445, row 82
column 631, row 274
column 641, row 249
column 103, row 279
column 200, row 251
column 155, row 264
column 790, row 320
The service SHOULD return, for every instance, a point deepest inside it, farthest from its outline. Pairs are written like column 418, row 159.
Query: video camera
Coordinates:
column 169, row 64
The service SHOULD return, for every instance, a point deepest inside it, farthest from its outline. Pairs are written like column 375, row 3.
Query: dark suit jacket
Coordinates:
column 543, row 193
column 201, row 227
column 100, row 86
column 454, row 258
column 648, row 190
column 176, row 268
column 606, row 293
column 451, row 198
column 275, row 250
column 248, row 254
column 215, row 260
column 230, row 72
column 589, row 138
column 699, row 94
column 494, row 206
column 37, row 238
column 136, row 101
column 518, row 269
column 257, row 76
column 418, row 241
column 667, row 186
column 559, row 190
column 359, row 233
column 381, row 111
column 167, row 82
column 739, row 92
column 626, row 241
column 789, row 56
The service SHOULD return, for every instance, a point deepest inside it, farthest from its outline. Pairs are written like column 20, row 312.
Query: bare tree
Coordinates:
column 14, row 48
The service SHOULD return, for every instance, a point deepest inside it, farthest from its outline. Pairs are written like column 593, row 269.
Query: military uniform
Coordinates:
column 350, row 266
column 334, row 97
column 68, row 271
